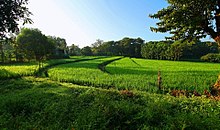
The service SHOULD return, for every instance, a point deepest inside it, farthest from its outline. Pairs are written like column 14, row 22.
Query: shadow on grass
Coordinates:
column 44, row 104
column 5, row 74
column 131, row 71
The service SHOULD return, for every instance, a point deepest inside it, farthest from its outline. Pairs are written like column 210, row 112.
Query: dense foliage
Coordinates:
column 12, row 12
column 177, row 50
column 189, row 19
column 126, row 47
column 32, row 44
column 211, row 58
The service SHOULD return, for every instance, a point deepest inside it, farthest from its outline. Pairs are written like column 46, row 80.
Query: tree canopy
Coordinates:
column 189, row 19
column 34, row 44
column 12, row 12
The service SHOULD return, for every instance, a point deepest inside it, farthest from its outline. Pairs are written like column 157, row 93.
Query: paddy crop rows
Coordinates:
column 27, row 69
column 139, row 74
column 87, row 73
column 175, row 75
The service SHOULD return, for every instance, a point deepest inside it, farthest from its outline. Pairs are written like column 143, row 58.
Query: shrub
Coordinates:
column 211, row 57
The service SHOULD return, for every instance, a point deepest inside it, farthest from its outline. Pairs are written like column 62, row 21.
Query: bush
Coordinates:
column 211, row 57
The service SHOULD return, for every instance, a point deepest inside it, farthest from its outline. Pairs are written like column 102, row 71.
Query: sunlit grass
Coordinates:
column 139, row 74
column 87, row 73
column 175, row 75
column 29, row 68
column 39, row 103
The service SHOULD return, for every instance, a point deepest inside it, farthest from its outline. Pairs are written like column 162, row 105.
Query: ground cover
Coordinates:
column 175, row 75
column 39, row 103
column 139, row 74
column 15, row 70
column 88, row 73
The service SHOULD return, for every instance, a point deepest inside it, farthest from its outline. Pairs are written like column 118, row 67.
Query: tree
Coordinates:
column 74, row 50
column 6, row 50
column 34, row 44
column 60, row 46
column 97, row 47
column 190, row 19
column 175, row 51
column 12, row 12
column 86, row 51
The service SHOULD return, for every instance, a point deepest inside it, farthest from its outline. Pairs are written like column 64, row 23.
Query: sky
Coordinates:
column 81, row 22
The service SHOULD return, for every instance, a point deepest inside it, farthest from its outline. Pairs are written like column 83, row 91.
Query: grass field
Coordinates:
column 139, row 74
column 123, row 96
column 88, row 73
column 175, row 75
column 39, row 103
column 30, row 68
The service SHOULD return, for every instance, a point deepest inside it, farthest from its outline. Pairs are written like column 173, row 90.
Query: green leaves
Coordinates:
column 12, row 12
column 34, row 44
column 187, row 19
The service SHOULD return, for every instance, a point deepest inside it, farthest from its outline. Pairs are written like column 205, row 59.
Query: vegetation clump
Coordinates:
column 44, row 104
column 211, row 58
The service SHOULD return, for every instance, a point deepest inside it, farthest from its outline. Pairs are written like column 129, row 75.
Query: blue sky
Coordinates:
column 81, row 22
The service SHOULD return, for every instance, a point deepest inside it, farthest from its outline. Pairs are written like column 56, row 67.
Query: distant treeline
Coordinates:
column 161, row 50
column 31, row 44
column 169, row 50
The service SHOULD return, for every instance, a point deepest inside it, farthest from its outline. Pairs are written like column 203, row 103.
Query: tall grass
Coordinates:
column 181, row 75
column 139, row 74
column 30, row 68
column 36, row 103
column 87, row 73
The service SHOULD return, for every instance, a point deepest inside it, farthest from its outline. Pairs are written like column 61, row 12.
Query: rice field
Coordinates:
column 126, row 73
column 29, row 68
column 96, row 103
column 139, row 74
column 175, row 75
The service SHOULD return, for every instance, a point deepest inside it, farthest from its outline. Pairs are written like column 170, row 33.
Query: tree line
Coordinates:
column 177, row 50
column 130, row 47
column 31, row 44
column 161, row 50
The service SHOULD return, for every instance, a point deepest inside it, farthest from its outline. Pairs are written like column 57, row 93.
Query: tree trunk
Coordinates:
column 2, row 53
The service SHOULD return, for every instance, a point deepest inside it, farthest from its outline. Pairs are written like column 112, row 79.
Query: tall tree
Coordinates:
column 190, row 19
column 34, row 44
column 12, row 12
column 97, row 47
column 60, row 45
column 86, row 51
column 74, row 50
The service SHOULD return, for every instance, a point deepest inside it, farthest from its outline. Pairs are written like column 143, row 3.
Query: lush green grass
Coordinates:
column 139, row 74
column 175, row 75
column 39, row 103
column 29, row 68
column 30, row 103
column 17, row 70
column 87, row 73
